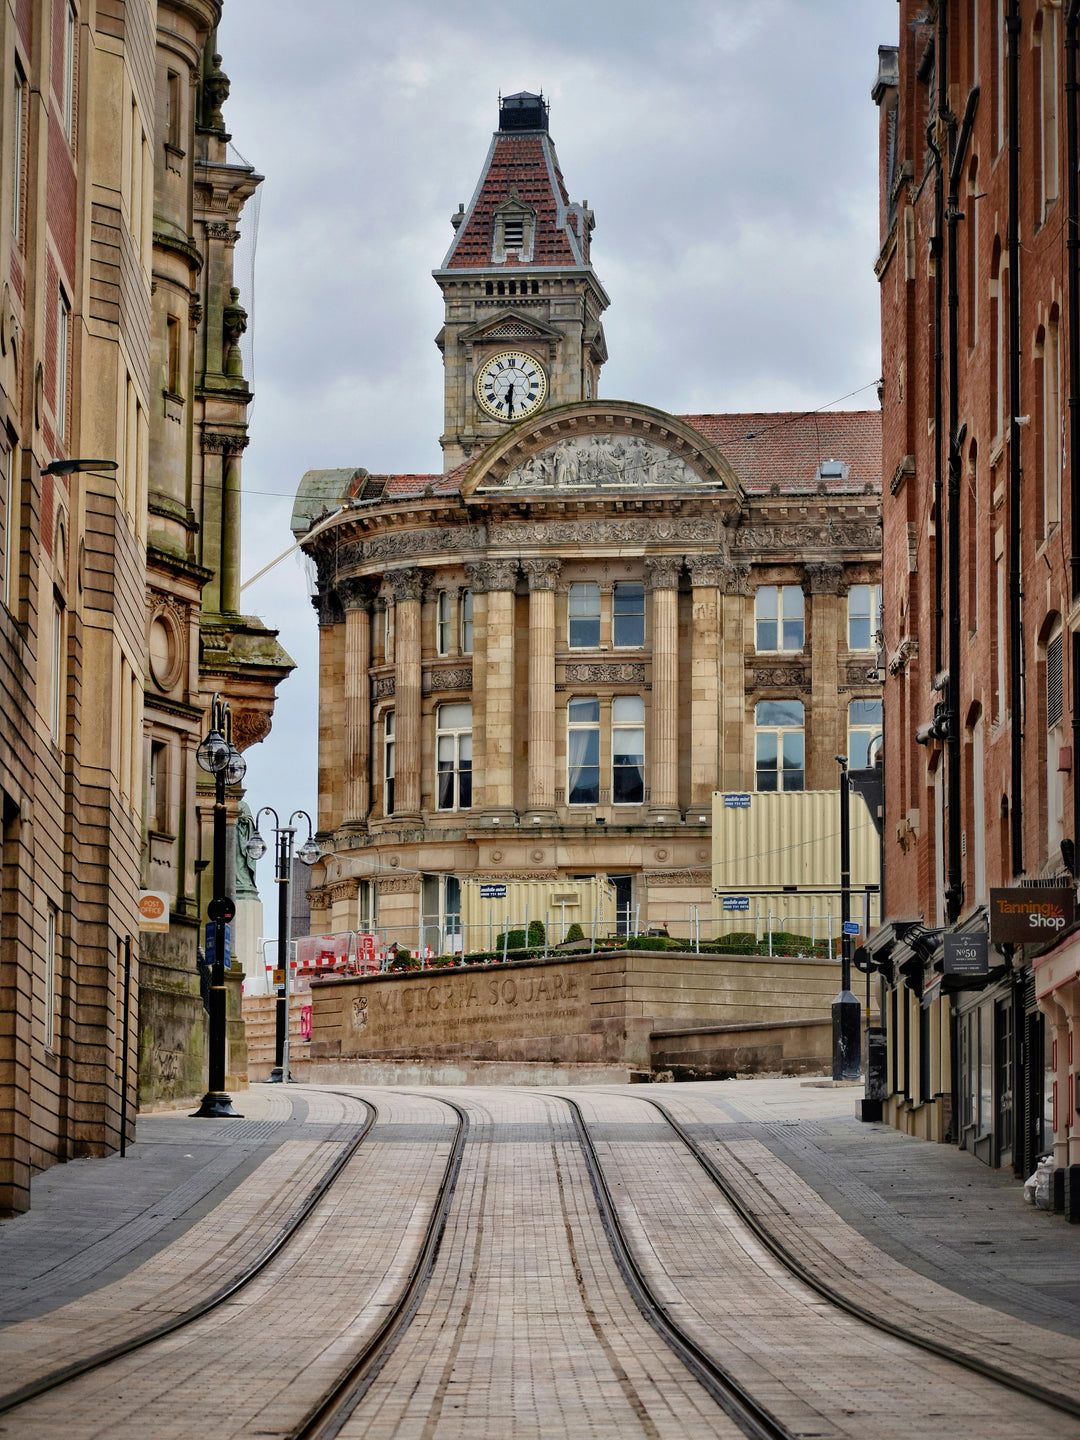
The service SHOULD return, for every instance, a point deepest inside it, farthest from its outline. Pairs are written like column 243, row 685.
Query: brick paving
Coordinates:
column 255, row 1366
column 819, row 1370
column 527, row 1328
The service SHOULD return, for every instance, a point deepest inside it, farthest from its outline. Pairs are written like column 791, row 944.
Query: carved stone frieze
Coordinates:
column 616, row 672
column 383, row 687
column 862, row 672
column 663, row 571
column 485, row 575
column 694, row 876
column 399, row 885
column 632, row 530
column 436, row 680
column 405, row 584
column 791, row 677
column 848, row 535
column 542, row 574
column 344, row 889
column 596, row 462
column 516, row 875
column 407, row 543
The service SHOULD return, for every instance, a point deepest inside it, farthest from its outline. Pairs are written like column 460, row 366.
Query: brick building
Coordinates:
column 537, row 667
column 981, row 567
column 113, row 181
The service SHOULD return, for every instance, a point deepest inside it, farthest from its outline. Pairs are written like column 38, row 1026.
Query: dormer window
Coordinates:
column 515, row 225
column 833, row 470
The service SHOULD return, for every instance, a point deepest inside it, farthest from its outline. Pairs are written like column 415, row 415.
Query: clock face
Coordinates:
column 511, row 385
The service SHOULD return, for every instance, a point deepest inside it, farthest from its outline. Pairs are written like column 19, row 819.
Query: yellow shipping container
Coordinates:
column 762, row 842
column 558, row 904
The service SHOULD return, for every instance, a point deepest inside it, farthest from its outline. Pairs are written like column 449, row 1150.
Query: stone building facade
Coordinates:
column 981, row 569
column 199, row 643
column 540, row 664
column 102, row 569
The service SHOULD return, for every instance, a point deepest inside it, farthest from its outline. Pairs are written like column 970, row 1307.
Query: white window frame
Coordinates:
column 458, row 739
column 871, row 614
column 616, row 643
column 780, row 730
column 625, row 728
column 576, row 727
column 465, row 622
column 442, row 623
column 778, row 597
column 580, row 593
column 389, row 739
column 861, row 727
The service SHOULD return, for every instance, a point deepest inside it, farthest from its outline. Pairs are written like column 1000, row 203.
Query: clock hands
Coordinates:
column 510, row 398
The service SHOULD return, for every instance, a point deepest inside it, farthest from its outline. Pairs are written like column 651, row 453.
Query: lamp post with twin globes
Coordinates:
column 218, row 756
column 308, row 853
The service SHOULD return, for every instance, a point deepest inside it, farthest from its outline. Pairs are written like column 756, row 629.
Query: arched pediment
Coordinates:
column 605, row 447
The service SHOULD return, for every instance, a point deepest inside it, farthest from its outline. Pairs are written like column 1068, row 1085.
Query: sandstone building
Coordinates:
column 539, row 665
column 981, row 458
column 116, row 210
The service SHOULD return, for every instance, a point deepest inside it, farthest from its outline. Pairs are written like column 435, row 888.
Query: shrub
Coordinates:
column 574, row 933
column 536, row 932
column 514, row 941
column 648, row 942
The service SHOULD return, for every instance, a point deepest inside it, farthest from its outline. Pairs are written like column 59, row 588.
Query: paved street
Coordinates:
column 463, row 1269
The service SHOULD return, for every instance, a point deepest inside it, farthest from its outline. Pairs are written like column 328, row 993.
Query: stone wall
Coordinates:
column 570, row 1013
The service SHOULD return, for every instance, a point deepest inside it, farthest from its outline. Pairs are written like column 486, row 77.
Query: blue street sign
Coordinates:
column 852, row 927
column 736, row 902
column 492, row 892
column 736, row 802
column 210, row 949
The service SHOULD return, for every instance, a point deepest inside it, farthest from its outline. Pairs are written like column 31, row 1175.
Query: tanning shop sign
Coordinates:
column 1028, row 916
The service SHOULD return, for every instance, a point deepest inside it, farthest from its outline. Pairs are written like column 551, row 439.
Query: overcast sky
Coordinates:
column 729, row 152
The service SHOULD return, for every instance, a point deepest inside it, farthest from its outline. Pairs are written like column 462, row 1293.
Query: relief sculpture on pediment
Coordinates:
column 595, row 462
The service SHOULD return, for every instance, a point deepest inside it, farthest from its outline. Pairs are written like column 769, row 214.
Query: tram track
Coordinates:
column 774, row 1243
column 87, row 1364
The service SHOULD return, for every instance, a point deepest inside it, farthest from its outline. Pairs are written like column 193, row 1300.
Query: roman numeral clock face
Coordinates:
column 511, row 386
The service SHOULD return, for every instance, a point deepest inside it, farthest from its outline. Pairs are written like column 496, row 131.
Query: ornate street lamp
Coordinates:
column 308, row 853
column 219, row 757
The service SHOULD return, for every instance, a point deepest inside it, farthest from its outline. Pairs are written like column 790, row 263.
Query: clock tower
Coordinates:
column 522, row 326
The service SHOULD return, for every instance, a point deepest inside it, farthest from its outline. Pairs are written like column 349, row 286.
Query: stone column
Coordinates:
column 1059, row 1020
column 331, row 707
column 496, row 580
column 735, row 587
column 826, row 726
column 543, row 578
column 705, row 572
column 406, row 586
column 356, row 599
column 663, row 576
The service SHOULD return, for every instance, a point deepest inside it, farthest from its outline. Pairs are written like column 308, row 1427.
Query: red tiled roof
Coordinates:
column 785, row 448
column 519, row 162
column 401, row 487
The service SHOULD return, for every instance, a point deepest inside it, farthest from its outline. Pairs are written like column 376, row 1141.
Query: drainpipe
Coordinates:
column 954, row 891
column 1016, row 684
column 1072, row 152
column 935, row 250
